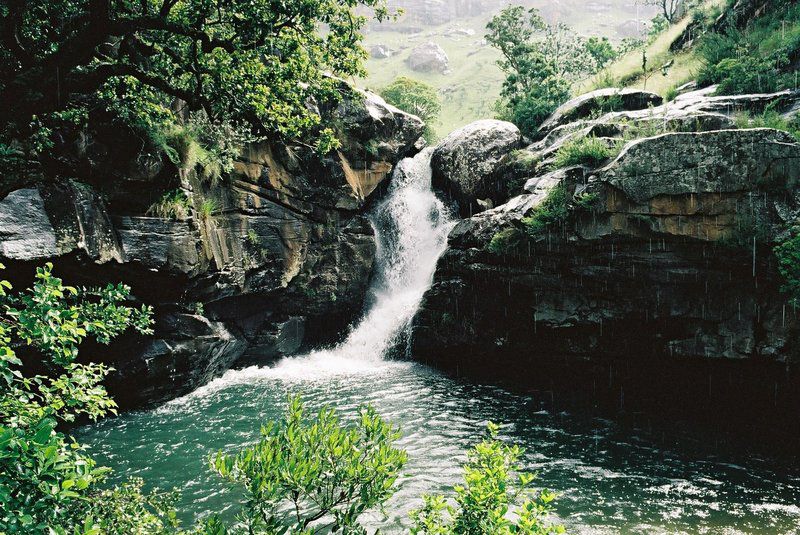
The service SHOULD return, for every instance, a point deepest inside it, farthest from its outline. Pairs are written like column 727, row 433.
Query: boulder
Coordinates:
column 428, row 57
column 464, row 163
column 599, row 102
column 380, row 51
column 721, row 162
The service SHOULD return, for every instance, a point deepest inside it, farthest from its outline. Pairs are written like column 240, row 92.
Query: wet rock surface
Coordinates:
column 466, row 161
column 653, row 263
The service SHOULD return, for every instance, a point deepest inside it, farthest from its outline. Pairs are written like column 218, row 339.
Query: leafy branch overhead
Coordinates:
column 236, row 59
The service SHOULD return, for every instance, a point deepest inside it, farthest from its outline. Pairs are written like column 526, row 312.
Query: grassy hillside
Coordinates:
column 627, row 71
column 473, row 84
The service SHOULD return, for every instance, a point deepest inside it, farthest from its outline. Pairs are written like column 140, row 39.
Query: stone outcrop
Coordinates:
column 428, row 57
column 465, row 162
column 641, row 265
column 599, row 102
column 274, row 256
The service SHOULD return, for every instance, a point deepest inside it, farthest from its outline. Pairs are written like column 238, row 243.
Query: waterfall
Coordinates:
column 411, row 227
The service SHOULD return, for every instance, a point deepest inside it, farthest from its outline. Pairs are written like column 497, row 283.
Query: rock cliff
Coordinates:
column 634, row 273
column 254, row 266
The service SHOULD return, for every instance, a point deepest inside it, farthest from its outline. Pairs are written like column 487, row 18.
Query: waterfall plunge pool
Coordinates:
column 608, row 480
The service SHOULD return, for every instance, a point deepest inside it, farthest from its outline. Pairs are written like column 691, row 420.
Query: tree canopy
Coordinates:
column 260, row 61
column 417, row 98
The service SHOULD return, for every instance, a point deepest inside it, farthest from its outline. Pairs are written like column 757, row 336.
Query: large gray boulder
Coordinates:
column 720, row 162
column 428, row 57
column 464, row 164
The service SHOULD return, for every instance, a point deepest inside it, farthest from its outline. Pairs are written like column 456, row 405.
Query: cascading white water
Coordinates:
column 411, row 226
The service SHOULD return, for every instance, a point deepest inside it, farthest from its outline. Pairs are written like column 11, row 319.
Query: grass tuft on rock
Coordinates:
column 591, row 151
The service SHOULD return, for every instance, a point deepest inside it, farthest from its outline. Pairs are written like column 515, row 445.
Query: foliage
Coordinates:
column 758, row 57
column 553, row 210
column 505, row 241
column 769, row 118
column 173, row 204
column 539, row 61
column 416, row 98
column 235, row 60
column 313, row 475
column 494, row 485
column 788, row 256
column 208, row 207
column 47, row 482
column 589, row 150
column 601, row 51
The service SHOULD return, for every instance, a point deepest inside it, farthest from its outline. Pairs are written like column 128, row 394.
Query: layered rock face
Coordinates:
column 255, row 266
column 636, row 273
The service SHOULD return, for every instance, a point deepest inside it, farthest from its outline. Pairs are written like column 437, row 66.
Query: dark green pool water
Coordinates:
column 609, row 481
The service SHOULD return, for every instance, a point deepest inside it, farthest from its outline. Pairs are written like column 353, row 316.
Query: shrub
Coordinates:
column 554, row 209
column 759, row 58
column 504, row 241
column 769, row 118
column 208, row 207
column 788, row 255
column 172, row 205
column 321, row 473
column 47, row 482
column 494, row 486
column 417, row 98
column 590, row 151
column 529, row 109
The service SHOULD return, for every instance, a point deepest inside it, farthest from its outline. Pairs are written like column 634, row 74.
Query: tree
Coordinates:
column 257, row 61
column 494, row 486
column 540, row 62
column 671, row 9
column 311, row 477
column 417, row 98
column 601, row 51
column 47, row 483
column 535, row 83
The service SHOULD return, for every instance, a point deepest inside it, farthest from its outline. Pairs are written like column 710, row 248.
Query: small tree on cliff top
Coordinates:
column 417, row 98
